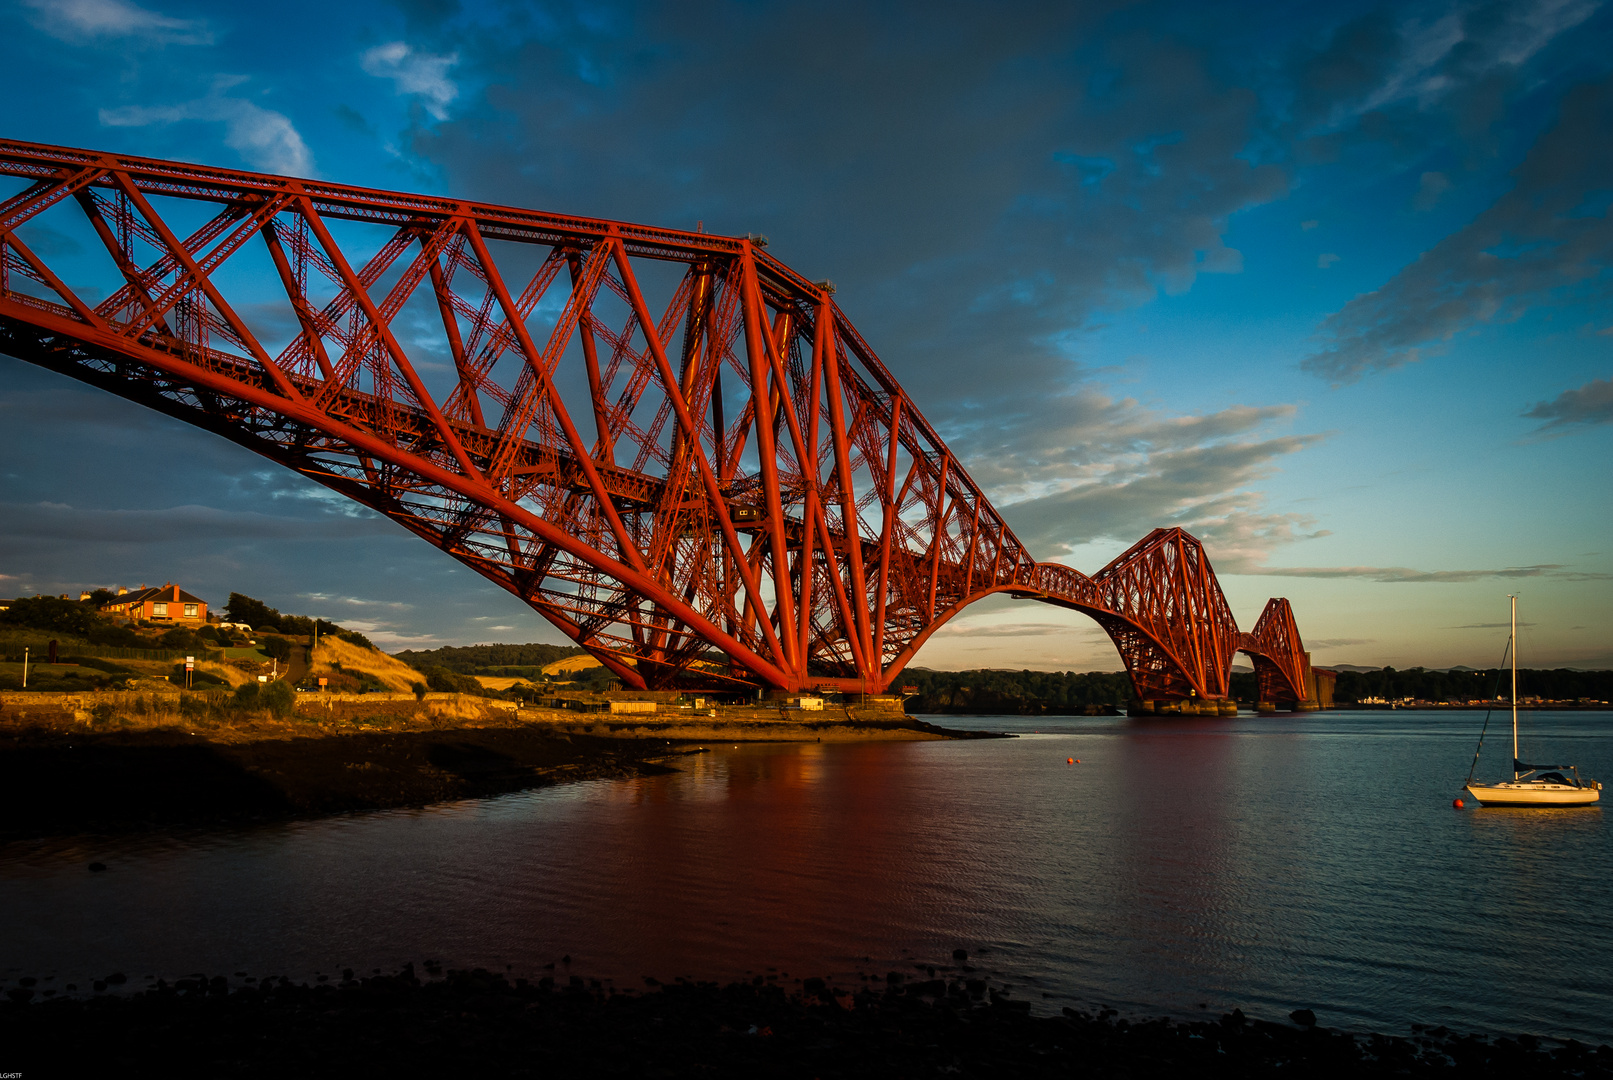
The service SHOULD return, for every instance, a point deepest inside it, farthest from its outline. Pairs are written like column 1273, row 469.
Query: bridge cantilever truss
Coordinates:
column 671, row 445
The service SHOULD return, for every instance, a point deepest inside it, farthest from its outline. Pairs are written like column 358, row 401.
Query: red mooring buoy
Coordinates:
column 1069, row 761
column 1456, row 803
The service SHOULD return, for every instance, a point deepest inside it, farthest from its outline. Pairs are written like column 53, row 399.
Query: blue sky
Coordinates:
column 1326, row 284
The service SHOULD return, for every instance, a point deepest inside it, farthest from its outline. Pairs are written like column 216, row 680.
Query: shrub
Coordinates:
column 274, row 697
column 419, row 689
column 178, row 638
column 278, row 697
column 444, row 681
column 276, row 647
column 353, row 637
column 118, row 637
column 50, row 613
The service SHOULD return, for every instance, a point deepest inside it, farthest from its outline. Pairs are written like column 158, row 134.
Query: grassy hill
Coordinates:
column 349, row 666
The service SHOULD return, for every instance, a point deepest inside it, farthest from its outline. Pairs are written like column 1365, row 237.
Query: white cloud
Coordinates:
column 264, row 138
column 422, row 74
column 1326, row 260
column 77, row 20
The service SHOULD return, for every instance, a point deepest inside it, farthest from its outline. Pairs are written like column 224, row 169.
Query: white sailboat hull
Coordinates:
column 1531, row 793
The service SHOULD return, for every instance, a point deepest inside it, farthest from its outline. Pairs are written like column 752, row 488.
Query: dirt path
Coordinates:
column 297, row 667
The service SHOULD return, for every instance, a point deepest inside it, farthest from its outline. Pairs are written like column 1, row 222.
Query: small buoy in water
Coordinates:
column 1078, row 761
column 1069, row 761
column 1456, row 803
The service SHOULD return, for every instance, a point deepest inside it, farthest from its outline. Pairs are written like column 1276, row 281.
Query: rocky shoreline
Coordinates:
column 481, row 1024
column 54, row 783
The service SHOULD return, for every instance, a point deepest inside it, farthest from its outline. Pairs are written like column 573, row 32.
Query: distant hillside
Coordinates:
column 473, row 659
column 571, row 664
column 1461, row 684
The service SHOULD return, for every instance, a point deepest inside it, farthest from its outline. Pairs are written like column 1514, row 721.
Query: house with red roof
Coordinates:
column 169, row 603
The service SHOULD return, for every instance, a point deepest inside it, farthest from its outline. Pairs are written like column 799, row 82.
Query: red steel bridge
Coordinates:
column 672, row 446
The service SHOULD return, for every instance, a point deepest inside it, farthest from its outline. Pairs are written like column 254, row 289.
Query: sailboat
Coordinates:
column 1531, row 785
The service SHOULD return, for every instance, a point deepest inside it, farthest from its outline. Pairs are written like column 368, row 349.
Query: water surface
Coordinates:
column 1265, row 863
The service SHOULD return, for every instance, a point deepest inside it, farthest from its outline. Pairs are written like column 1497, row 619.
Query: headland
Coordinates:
column 116, row 760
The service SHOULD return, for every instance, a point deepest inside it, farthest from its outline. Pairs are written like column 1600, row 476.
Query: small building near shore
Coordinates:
column 169, row 604
column 1322, row 680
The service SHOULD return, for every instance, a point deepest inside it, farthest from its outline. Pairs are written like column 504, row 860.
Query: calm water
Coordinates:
column 1263, row 863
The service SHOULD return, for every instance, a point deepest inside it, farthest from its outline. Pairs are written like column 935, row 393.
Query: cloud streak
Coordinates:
column 1547, row 241
column 63, row 523
column 1588, row 405
column 989, row 630
column 1407, row 575
column 76, row 21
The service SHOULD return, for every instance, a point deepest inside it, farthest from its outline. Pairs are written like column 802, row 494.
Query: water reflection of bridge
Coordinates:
column 733, row 493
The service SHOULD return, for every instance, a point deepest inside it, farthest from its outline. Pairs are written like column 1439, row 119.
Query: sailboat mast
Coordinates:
column 1514, row 687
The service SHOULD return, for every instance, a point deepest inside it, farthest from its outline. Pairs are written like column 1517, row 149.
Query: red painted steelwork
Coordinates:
column 1282, row 669
column 726, row 489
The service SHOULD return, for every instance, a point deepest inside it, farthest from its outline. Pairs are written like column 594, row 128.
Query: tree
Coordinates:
column 444, row 681
column 50, row 613
column 254, row 613
column 277, row 647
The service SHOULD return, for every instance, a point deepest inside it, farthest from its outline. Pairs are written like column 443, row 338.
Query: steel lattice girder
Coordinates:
column 727, row 490
column 1282, row 670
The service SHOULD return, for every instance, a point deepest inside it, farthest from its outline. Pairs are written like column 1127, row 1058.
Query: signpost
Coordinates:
column 190, row 673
